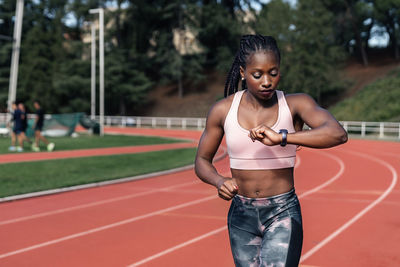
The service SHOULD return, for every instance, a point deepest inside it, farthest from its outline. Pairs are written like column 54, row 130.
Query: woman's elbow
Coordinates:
column 340, row 136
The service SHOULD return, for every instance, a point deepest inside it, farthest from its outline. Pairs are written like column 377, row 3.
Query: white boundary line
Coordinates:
column 105, row 227
column 91, row 185
column 109, row 182
column 169, row 250
column 96, row 203
column 184, row 244
column 361, row 213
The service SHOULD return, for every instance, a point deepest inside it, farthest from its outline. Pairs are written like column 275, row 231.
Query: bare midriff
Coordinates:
column 263, row 183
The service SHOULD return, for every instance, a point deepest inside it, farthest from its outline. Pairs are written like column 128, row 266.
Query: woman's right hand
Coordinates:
column 227, row 188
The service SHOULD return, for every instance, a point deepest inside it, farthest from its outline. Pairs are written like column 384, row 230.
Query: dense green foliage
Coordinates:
column 26, row 177
column 378, row 101
column 148, row 43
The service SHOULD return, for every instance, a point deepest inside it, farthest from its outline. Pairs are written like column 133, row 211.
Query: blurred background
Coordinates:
column 170, row 58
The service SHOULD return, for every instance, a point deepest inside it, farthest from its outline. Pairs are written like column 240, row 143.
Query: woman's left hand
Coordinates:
column 265, row 135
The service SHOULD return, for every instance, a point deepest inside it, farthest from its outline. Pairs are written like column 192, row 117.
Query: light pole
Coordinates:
column 12, row 91
column 93, row 76
column 100, row 11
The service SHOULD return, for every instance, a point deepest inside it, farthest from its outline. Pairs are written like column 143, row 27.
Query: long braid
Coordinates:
column 249, row 44
column 233, row 77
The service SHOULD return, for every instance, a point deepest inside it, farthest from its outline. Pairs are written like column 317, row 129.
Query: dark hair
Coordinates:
column 249, row 44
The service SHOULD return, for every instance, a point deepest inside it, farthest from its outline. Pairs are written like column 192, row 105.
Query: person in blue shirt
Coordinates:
column 18, row 128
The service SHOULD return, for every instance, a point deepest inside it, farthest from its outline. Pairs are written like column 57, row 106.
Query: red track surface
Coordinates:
column 349, row 196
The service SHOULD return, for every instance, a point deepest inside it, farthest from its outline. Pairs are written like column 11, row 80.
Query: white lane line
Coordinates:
column 169, row 250
column 184, row 244
column 92, row 204
column 105, row 227
column 361, row 213
column 96, row 203
column 334, row 178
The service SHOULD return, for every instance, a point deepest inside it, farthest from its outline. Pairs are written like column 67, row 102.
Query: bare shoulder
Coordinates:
column 300, row 101
column 299, row 98
column 219, row 110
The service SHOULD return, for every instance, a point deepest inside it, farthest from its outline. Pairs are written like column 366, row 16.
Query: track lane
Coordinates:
column 326, row 219
column 372, row 228
column 226, row 162
column 217, row 240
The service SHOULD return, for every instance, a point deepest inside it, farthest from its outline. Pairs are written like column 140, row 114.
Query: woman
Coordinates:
column 263, row 129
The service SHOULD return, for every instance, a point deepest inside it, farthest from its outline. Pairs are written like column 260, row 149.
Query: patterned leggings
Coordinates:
column 266, row 231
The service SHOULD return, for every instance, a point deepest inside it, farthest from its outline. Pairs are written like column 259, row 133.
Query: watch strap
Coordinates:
column 284, row 133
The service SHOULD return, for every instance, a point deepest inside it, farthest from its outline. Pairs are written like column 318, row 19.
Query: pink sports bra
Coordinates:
column 248, row 155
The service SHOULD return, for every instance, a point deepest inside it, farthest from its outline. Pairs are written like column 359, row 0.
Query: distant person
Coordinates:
column 38, row 127
column 18, row 129
column 11, row 125
column 263, row 127
column 24, row 118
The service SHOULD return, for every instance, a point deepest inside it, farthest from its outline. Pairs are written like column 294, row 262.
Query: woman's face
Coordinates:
column 262, row 74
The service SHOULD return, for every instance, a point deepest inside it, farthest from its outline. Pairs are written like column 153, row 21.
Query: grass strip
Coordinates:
column 27, row 177
column 87, row 141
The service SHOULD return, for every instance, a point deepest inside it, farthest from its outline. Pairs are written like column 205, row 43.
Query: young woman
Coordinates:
column 263, row 128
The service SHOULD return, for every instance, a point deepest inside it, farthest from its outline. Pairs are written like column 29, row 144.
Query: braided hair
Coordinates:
column 249, row 44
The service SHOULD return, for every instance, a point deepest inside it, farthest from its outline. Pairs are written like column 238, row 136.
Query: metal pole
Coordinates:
column 100, row 11
column 93, row 76
column 101, row 51
column 12, row 92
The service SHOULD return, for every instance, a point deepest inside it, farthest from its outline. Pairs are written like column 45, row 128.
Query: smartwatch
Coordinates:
column 284, row 133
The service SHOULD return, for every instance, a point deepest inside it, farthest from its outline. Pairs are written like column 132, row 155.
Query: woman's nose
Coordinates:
column 265, row 82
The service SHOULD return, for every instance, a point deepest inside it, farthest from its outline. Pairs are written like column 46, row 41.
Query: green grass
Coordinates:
column 87, row 141
column 378, row 101
column 25, row 177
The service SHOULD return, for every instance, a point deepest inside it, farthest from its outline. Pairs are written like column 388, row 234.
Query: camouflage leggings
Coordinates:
column 266, row 231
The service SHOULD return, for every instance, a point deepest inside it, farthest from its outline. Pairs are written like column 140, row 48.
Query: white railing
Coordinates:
column 362, row 128
column 155, row 122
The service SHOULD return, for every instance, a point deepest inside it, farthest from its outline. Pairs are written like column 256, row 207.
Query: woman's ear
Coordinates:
column 241, row 72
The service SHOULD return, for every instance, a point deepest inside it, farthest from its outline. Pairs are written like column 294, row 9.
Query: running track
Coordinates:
column 350, row 200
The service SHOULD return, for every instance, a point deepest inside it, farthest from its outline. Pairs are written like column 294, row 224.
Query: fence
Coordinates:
column 362, row 128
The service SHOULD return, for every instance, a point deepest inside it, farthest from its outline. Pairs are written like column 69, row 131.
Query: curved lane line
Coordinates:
column 334, row 178
column 361, row 213
column 313, row 190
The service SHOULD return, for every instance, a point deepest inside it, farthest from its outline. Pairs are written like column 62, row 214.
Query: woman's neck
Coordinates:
column 257, row 103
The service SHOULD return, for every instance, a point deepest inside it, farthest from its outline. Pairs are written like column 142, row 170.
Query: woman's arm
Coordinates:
column 325, row 129
column 208, row 146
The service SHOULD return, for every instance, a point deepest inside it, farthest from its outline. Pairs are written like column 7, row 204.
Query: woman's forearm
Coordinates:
column 207, row 172
column 324, row 136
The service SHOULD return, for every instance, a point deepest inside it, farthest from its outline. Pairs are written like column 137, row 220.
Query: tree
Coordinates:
column 353, row 24
column 310, row 55
column 387, row 13
column 41, row 51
